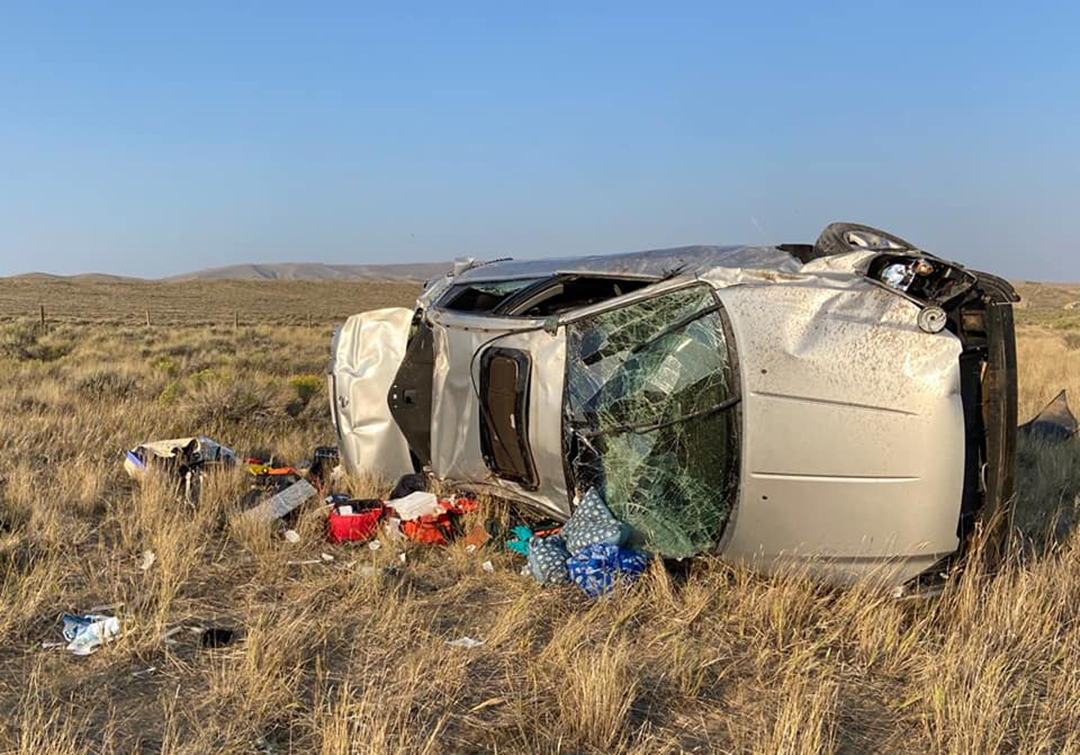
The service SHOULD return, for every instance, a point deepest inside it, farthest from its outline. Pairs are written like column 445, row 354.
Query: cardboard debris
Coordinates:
column 476, row 539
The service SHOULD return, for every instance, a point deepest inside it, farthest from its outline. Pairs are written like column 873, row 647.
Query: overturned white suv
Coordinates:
column 848, row 406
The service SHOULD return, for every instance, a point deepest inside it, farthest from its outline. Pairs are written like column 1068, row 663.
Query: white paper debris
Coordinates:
column 85, row 634
column 392, row 528
column 416, row 505
column 374, row 545
column 291, row 535
column 148, row 559
column 337, row 476
column 488, row 566
column 465, row 642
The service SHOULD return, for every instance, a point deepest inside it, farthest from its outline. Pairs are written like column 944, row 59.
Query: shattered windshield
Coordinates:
column 650, row 417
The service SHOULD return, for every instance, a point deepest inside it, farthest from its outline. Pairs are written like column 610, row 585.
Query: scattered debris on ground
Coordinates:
column 184, row 459
column 148, row 560
column 86, row 633
column 282, row 503
column 590, row 550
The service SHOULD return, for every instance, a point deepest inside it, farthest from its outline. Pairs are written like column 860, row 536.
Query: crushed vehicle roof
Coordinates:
column 655, row 263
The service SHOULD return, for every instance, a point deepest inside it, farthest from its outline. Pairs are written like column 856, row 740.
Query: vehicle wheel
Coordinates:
column 841, row 238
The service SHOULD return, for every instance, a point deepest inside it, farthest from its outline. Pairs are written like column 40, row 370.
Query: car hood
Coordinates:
column 853, row 428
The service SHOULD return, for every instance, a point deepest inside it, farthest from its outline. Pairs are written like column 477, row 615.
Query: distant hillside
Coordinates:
column 276, row 271
column 318, row 271
column 80, row 278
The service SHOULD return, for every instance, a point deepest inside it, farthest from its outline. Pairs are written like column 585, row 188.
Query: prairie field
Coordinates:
column 336, row 658
column 105, row 300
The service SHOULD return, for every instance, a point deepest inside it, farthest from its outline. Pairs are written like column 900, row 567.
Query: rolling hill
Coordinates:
column 317, row 271
column 277, row 271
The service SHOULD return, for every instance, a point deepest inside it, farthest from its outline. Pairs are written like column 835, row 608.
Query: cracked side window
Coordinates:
column 482, row 296
column 649, row 417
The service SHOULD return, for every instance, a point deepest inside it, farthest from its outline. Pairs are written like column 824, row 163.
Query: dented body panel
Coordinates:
column 853, row 431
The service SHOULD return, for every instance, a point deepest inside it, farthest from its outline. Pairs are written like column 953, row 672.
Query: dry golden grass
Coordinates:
column 214, row 302
column 336, row 660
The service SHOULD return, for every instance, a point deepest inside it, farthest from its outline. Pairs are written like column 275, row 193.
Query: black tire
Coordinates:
column 833, row 239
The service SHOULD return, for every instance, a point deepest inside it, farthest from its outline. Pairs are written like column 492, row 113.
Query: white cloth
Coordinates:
column 416, row 505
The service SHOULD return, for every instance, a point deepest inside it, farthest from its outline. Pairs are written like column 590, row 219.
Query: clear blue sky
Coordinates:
column 149, row 141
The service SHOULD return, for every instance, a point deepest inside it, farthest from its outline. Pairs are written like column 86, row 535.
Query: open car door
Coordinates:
column 365, row 355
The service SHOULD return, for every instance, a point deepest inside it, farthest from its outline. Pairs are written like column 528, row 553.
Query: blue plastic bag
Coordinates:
column 600, row 566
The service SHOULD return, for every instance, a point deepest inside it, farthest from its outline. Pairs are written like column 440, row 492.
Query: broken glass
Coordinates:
column 482, row 296
column 649, row 388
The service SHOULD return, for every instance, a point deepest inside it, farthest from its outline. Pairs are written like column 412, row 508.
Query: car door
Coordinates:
column 365, row 356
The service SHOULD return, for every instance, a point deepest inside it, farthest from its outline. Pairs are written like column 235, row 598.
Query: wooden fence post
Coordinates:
column 148, row 317
column 42, row 315
column 236, row 320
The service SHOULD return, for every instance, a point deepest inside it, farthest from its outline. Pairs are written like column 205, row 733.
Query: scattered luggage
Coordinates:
column 351, row 520
column 589, row 550
column 184, row 459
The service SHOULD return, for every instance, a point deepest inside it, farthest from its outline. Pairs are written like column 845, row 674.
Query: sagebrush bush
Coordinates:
column 104, row 384
column 306, row 386
column 32, row 342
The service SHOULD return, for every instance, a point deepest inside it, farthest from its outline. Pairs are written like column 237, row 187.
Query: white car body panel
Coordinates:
column 365, row 357
column 455, row 438
column 853, row 432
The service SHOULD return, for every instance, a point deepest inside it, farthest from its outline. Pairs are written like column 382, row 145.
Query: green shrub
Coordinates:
column 170, row 393
column 164, row 364
column 306, row 386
